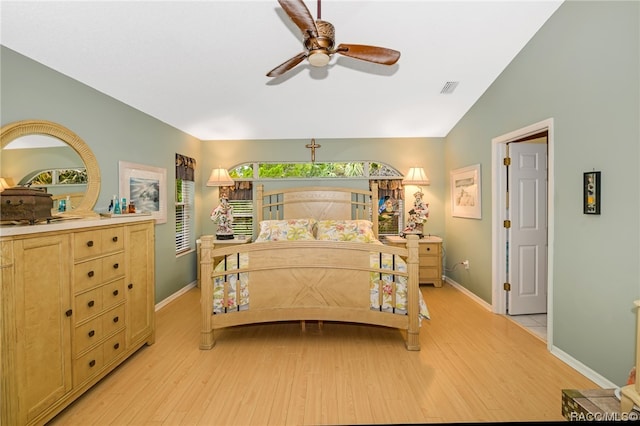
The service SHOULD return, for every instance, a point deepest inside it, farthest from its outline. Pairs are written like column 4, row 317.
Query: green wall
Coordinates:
column 114, row 131
column 581, row 69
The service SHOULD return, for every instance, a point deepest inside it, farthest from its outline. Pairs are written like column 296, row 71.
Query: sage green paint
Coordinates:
column 581, row 69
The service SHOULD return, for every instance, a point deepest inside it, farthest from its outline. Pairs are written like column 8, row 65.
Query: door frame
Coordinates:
column 498, row 200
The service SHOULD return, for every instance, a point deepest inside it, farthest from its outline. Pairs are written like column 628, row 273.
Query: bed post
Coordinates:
column 374, row 207
column 259, row 201
column 207, row 340
column 413, row 301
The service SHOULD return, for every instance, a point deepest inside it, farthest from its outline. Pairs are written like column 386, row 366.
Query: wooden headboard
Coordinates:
column 320, row 203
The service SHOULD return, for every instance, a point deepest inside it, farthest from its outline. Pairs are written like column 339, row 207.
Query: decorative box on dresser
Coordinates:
column 77, row 300
column 430, row 257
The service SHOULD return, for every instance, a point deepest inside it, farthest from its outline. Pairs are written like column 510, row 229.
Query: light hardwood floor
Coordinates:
column 474, row 366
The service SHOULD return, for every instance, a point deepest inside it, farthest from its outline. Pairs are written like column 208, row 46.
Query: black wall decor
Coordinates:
column 591, row 197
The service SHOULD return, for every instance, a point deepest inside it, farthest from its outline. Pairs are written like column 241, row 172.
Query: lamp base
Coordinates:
column 224, row 236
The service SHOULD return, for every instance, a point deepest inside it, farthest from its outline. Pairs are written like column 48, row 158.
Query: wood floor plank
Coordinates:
column 474, row 366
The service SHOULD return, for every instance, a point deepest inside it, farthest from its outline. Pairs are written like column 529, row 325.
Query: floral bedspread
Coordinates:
column 222, row 304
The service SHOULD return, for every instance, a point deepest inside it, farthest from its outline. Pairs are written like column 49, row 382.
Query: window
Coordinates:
column 242, row 217
column 184, row 214
column 390, row 188
column 185, row 190
column 56, row 177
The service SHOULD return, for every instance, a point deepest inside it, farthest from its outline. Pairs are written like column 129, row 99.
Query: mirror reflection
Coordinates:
column 43, row 161
column 46, row 154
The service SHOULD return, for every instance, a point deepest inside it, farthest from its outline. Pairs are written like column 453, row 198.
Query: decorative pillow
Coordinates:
column 346, row 230
column 282, row 230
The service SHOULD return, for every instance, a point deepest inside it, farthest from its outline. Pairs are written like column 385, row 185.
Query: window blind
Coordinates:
column 242, row 217
column 184, row 215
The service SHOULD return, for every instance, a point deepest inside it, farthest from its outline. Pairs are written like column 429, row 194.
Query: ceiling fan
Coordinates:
column 319, row 42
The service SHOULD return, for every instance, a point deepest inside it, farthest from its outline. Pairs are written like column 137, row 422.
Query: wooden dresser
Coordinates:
column 430, row 252
column 77, row 300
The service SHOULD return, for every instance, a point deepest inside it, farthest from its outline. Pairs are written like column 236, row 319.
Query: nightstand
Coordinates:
column 430, row 252
column 218, row 243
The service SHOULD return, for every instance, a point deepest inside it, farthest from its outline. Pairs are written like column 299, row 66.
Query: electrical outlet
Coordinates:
column 466, row 264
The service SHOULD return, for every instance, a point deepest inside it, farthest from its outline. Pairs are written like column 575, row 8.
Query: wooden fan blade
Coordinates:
column 287, row 65
column 379, row 55
column 300, row 15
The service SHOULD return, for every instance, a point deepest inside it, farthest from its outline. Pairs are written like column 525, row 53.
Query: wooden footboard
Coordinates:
column 308, row 280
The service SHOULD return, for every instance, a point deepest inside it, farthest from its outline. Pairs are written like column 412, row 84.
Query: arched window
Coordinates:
column 391, row 191
column 306, row 170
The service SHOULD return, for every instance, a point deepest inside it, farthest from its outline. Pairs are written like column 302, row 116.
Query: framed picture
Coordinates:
column 591, row 193
column 466, row 194
column 146, row 186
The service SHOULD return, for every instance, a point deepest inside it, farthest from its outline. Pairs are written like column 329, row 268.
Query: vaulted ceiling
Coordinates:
column 201, row 66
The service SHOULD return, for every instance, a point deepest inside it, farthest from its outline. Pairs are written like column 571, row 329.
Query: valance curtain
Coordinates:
column 242, row 190
column 185, row 167
column 389, row 187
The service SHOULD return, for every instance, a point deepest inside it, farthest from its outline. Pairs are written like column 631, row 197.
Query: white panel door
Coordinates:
column 527, row 252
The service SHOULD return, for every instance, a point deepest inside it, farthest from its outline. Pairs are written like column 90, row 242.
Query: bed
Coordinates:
column 317, row 257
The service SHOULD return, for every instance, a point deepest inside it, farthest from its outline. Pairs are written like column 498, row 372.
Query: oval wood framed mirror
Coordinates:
column 17, row 129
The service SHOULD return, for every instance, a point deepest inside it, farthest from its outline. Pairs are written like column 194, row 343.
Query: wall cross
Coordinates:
column 313, row 146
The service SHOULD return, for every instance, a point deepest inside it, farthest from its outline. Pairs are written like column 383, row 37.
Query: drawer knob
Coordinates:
column 91, row 303
column 116, row 319
column 116, row 266
column 115, row 292
column 114, row 239
column 428, row 248
column 91, row 274
column 90, row 243
column 92, row 333
column 116, row 346
column 130, row 286
column 92, row 363
column 69, row 313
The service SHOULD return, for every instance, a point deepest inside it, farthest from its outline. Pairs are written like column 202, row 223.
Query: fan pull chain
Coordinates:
column 319, row 15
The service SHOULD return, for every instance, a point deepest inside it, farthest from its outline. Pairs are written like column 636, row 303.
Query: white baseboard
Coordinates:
column 590, row 374
column 558, row 353
column 475, row 298
column 175, row 295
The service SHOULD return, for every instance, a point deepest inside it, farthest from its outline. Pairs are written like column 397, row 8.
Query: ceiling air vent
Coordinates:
column 449, row 87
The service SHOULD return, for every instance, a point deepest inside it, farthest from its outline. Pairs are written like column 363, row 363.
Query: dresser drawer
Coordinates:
column 88, row 365
column 113, row 320
column 112, row 293
column 112, row 266
column 88, row 334
column 113, row 347
column 87, row 244
column 428, row 274
column 96, row 242
column 88, row 304
column 112, row 239
column 87, row 275
column 93, row 273
column 430, row 261
column 428, row 249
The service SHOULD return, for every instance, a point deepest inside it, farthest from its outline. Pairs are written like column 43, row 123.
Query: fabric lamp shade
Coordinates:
column 219, row 177
column 416, row 176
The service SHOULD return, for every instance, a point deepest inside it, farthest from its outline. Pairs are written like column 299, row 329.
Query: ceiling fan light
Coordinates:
column 319, row 59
